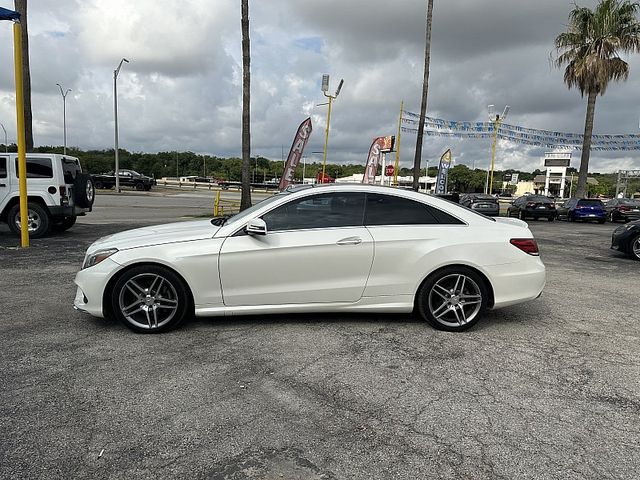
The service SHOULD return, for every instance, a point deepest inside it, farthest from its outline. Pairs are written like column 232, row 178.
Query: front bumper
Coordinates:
column 92, row 283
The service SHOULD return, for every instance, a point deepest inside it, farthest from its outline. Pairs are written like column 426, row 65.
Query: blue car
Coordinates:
column 583, row 209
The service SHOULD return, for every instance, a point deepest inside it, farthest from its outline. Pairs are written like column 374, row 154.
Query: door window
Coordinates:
column 3, row 167
column 340, row 209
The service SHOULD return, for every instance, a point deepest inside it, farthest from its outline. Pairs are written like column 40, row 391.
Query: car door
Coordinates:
column 5, row 181
column 316, row 250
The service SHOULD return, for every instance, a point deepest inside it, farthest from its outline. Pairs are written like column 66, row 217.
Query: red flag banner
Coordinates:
column 375, row 154
column 295, row 154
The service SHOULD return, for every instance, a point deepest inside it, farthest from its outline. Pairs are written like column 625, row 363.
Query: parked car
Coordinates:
column 311, row 249
column 128, row 178
column 482, row 203
column 533, row 206
column 623, row 209
column 626, row 238
column 58, row 192
column 584, row 209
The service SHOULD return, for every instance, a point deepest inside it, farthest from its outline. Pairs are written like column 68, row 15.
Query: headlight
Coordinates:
column 96, row 257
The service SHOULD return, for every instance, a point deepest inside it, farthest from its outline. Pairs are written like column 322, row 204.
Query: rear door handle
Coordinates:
column 349, row 241
column 3, row 185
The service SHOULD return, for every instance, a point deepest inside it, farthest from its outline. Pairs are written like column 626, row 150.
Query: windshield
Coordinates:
column 251, row 210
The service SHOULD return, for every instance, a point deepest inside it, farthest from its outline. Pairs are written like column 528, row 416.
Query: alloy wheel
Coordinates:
column 148, row 301
column 34, row 221
column 455, row 300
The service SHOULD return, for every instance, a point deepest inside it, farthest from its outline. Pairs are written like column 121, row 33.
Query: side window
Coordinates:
column 3, row 167
column 38, row 168
column 318, row 211
column 391, row 210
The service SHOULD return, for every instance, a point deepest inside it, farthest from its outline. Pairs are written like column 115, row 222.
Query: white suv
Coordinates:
column 57, row 192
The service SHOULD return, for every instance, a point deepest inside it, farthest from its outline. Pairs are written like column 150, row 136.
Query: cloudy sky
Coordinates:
column 182, row 88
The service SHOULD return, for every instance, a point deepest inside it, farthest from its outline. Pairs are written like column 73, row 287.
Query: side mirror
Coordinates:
column 257, row 226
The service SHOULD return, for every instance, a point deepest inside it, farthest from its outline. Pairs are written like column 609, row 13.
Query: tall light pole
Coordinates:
column 64, row 114
column 497, row 121
column 325, row 89
column 115, row 115
column 6, row 149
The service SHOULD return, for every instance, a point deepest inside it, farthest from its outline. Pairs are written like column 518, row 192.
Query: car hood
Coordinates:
column 156, row 235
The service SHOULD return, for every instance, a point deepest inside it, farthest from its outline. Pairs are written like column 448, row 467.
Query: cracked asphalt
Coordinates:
column 544, row 390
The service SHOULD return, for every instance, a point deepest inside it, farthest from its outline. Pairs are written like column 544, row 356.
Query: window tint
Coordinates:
column 390, row 210
column 590, row 203
column 37, row 168
column 70, row 168
column 318, row 211
column 3, row 167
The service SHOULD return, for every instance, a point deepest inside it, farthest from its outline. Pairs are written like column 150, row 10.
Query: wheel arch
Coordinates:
column 485, row 279
column 108, row 290
column 16, row 200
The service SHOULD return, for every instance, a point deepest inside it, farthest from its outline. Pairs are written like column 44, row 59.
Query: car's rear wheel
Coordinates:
column 522, row 216
column 452, row 299
column 150, row 299
column 634, row 247
column 139, row 186
column 38, row 220
column 551, row 219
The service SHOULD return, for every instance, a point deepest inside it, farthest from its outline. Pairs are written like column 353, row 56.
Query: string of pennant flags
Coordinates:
column 437, row 127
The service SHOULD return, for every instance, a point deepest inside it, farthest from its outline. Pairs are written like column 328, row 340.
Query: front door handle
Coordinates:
column 2, row 185
column 349, row 241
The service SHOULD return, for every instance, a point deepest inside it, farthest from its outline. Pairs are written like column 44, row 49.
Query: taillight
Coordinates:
column 624, row 208
column 527, row 245
column 552, row 205
column 63, row 191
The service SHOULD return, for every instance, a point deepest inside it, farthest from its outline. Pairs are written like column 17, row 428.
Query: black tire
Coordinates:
column 570, row 218
column 139, row 186
column 522, row 215
column 150, row 311
column 39, row 220
column 601, row 221
column 635, row 242
column 439, row 303
column 551, row 219
column 98, row 184
column 84, row 191
column 611, row 218
column 65, row 224
column 147, row 188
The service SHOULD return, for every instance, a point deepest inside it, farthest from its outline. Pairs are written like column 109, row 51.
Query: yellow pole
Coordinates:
column 22, row 159
column 216, row 204
column 496, row 126
column 326, row 139
column 397, row 164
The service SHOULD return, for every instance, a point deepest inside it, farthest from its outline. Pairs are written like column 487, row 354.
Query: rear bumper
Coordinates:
column 517, row 282
column 539, row 213
column 67, row 211
column 589, row 215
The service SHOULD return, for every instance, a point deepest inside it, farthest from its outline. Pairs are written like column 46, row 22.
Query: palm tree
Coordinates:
column 245, row 199
column 425, row 91
column 590, row 49
column 21, row 8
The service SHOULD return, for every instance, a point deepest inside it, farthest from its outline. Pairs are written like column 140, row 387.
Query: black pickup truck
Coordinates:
column 128, row 178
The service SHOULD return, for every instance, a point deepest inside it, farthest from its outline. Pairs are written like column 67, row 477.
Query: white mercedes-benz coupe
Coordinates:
column 328, row 248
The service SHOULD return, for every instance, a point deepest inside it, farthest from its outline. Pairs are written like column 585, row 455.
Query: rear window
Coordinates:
column 590, row 203
column 37, row 168
column 70, row 168
column 634, row 203
column 539, row 198
column 3, row 167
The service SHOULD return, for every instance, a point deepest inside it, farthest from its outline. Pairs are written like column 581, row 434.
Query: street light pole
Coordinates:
column 6, row 149
column 64, row 114
column 497, row 121
column 115, row 115
column 325, row 89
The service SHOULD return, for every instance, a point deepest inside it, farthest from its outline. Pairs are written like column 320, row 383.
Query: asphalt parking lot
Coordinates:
column 544, row 390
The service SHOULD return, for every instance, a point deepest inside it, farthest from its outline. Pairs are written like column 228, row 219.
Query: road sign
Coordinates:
column 389, row 171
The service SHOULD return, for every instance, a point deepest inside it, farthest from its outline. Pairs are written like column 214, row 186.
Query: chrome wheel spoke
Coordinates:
column 460, row 318
column 146, row 311
column 441, row 291
column 167, row 300
column 441, row 310
column 129, row 310
column 459, row 286
column 155, row 317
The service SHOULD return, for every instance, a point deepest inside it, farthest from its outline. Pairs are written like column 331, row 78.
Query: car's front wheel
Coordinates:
column 150, row 299
column 634, row 247
column 452, row 299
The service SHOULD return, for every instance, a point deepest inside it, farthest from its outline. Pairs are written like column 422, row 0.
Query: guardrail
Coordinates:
column 167, row 182
column 223, row 206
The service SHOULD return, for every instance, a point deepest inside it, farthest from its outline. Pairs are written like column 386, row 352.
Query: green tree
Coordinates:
column 589, row 49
